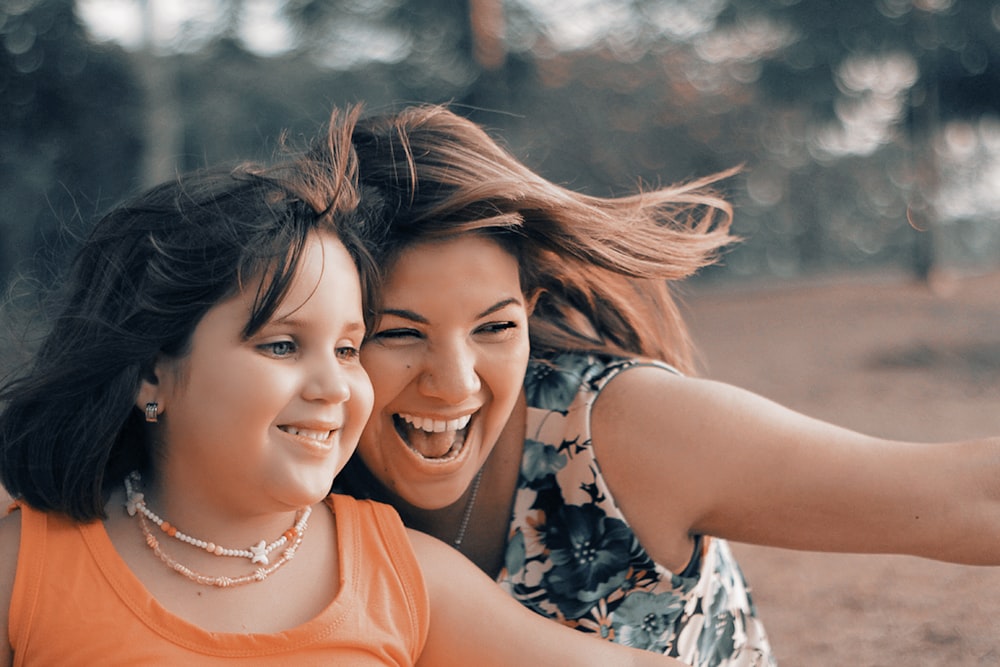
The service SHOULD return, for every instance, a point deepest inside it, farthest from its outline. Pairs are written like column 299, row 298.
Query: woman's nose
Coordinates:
column 450, row 374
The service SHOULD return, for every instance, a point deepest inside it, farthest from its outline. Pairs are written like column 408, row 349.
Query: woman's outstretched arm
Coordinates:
column 685, row 455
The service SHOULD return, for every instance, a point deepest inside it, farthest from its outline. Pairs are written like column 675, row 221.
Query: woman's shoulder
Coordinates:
column 554, row 381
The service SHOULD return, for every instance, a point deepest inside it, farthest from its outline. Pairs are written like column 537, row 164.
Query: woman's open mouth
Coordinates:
column 432, row 439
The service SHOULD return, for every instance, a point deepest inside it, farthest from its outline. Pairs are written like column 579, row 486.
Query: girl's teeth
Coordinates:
column 436, row 425
column 315, row 435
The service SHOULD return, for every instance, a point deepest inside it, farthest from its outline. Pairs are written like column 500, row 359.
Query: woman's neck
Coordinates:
column 486, row 519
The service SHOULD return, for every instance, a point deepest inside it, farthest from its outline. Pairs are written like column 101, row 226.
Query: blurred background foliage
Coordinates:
column 869, row 129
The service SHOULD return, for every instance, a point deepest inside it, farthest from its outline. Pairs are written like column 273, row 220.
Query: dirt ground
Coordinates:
column 889, row 357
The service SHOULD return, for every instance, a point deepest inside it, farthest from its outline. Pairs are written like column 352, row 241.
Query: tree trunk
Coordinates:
column 162, row 116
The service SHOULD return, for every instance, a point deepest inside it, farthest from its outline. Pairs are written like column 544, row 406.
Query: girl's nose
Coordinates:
column 327, row 381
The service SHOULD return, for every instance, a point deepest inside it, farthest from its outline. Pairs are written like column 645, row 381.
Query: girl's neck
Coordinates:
column 252, row 604
column 207, row 518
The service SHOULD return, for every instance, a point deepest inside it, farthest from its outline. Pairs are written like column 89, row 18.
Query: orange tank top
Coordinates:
column 75, row 602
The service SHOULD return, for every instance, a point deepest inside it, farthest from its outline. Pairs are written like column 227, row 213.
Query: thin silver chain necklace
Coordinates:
column 467, row 514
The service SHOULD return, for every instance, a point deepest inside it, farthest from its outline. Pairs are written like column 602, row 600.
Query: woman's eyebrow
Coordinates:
column 499, row 305
column 416, row 317
column 405, row 314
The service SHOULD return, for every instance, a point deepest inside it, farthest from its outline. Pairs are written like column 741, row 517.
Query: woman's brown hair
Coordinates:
column 601, row 266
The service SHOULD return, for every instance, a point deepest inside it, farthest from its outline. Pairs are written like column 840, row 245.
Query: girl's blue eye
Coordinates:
column 279, row 348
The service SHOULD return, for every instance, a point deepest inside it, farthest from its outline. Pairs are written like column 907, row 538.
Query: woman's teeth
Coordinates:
column 432, row 439
column 436, row 425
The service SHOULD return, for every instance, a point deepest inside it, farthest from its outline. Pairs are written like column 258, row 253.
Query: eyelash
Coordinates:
column 491, row 328
column 498, row 327
column 395, row 333
column 289, row 347
column 349, row 352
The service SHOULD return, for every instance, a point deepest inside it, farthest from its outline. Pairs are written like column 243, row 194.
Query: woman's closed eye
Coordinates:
column 395, row 334
column 497, row 328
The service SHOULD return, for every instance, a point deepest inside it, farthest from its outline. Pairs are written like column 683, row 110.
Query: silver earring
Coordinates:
column 151, row 409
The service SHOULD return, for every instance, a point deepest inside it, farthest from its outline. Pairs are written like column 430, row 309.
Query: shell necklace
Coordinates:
column 257, row 554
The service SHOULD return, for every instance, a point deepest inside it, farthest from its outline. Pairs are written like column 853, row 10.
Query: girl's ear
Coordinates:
column 149, row 387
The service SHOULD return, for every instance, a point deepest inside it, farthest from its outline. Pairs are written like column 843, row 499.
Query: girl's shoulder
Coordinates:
column 10, row 535
column 10, row 542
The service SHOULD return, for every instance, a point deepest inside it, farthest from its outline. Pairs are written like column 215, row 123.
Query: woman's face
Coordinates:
column 447, row 362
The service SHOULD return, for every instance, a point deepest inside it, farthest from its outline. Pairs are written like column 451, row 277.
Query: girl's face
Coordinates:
column 447, row 362
column 265, row 424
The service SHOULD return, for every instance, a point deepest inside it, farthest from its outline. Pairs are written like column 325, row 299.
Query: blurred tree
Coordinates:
column 830, row 105
column 68, row 126
column 162, row 114
column 850, row 69
column 446, row 51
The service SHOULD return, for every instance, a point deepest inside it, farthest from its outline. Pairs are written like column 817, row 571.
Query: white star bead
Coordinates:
column 259, row 552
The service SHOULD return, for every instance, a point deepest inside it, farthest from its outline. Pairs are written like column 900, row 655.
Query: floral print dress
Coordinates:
column 572, row 556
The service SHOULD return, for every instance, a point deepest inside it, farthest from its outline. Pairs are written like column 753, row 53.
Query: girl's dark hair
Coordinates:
column 141, row 282
column 601, row 265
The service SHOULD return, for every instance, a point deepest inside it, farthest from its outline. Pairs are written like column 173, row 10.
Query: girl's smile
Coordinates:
column 317, row 439
column 282, row 409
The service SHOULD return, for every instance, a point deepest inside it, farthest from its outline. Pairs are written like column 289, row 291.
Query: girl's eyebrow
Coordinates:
column 293, row 321
column 355, row 328
column 420, row 319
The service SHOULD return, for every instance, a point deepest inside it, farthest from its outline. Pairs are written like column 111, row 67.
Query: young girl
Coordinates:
column 172, row 448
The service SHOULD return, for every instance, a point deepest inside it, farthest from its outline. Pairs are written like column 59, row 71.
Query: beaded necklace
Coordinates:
column 257, row 554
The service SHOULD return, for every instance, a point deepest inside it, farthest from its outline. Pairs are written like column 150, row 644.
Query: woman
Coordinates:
column 579, row 466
